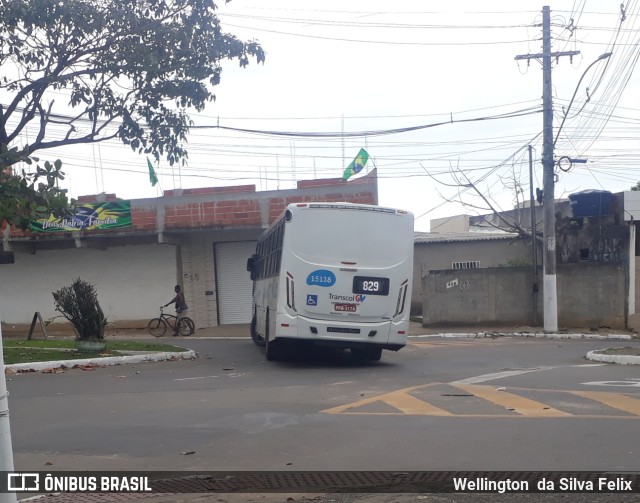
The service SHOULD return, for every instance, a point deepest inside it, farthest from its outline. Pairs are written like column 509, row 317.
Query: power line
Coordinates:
column 369, row 41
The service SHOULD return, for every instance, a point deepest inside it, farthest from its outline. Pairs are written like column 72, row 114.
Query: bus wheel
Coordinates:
column 366, row 354
column 257, row 338
column 374, row 354
column 271, row 350
column 270, row 347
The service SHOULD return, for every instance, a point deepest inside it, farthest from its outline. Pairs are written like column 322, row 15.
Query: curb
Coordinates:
column 620, row 359
column 591, row 355
column 102, row 362
column 538, row 335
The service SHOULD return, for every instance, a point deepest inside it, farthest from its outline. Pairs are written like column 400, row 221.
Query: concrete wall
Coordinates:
column 458, row 223
column 131, row 281
column 439, row 256
column 637, row 284
column 589, row 295
column 592, row 295
column 197, row 275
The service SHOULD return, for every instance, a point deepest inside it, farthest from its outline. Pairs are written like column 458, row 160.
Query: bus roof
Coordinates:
column 344, row 206
column 295, row 207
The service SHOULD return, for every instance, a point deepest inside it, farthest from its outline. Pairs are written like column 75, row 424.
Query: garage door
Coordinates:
column 234, row 286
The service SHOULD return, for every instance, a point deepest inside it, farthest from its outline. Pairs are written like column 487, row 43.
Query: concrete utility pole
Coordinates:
column 534, row 237
column 6, row 449
column 549, row 289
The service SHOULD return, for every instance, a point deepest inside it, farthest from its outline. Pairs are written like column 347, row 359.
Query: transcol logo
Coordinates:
column 359, row 298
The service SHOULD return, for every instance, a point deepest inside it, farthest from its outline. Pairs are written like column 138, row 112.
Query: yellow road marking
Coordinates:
column 407, row 404
column 400, row 400
column 614, row 400
column 411, row 405
column 519, row 404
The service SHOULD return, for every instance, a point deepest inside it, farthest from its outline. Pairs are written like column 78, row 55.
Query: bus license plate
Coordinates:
column 345, row 308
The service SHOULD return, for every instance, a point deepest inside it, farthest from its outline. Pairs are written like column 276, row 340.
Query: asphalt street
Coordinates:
column 440, row 404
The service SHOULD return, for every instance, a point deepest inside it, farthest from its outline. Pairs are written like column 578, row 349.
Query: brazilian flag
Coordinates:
column 356, row 165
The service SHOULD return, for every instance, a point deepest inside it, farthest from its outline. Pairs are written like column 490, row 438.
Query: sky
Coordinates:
column 363, row 68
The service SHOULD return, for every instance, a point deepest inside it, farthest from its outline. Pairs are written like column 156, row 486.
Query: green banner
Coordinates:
column 89, row 216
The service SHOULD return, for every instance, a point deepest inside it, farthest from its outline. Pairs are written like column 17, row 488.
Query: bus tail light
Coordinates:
column 291, row 297
column 402, row 297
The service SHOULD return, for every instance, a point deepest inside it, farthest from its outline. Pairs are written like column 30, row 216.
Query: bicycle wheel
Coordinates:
column 185, row 326
column 157, row 327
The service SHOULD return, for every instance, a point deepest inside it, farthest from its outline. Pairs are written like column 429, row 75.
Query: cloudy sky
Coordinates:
column 344, row 75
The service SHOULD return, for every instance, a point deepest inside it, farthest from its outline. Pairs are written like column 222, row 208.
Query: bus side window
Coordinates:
column 267, row 254
column 279, row 239
column 260, row 261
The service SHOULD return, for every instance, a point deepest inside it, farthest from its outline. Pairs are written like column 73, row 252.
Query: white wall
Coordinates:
column 449, row 225
column 131, row 281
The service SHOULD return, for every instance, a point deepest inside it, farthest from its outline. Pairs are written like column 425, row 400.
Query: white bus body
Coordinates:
column 334, row 274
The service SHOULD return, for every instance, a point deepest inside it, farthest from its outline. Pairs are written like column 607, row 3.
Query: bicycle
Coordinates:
column 158, row 326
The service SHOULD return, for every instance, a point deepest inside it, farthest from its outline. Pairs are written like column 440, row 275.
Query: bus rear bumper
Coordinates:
column 387, row 335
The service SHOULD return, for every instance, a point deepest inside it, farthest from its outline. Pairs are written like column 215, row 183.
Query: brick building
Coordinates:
column 199, row 238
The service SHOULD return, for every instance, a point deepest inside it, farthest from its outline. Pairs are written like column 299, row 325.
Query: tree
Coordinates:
column 128, row 69
column 636, row 187
column 472, row 195
column 30, row 196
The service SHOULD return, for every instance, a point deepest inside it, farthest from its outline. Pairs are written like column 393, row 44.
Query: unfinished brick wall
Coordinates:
column 246, row 209
column 228, row 207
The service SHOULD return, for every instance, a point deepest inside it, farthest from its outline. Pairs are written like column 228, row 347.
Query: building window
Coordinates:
column 469, row 264
column 584, row 254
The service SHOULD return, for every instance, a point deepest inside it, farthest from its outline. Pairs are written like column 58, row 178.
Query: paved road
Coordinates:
column 434, row 405
column 459, row 404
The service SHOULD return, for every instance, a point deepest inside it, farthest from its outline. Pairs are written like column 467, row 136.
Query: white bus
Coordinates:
column 336, row 274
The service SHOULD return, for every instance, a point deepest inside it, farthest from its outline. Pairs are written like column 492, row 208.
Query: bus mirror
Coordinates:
column 251, row 266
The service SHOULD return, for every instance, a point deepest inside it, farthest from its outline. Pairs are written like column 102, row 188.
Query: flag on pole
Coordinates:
column 152, row 173
column 356, row 165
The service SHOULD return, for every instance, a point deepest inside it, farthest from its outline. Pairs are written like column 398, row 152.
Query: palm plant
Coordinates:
column 79, row 304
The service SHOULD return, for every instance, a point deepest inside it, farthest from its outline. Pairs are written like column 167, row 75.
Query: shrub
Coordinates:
column 79, row 304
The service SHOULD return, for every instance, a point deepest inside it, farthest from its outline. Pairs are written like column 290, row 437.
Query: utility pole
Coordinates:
column 6, row 449
column 534, row 238
column 549, row 285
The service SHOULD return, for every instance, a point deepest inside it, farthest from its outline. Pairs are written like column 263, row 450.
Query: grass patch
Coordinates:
column 28, row 351
column 627, row 351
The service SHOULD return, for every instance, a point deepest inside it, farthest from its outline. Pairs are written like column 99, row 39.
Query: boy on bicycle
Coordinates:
column 181, row 306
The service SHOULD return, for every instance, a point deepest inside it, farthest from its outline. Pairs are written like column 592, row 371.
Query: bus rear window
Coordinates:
column 350, row 235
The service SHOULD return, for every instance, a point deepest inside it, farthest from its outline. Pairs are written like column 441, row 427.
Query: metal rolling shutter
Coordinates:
column 234, row 284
